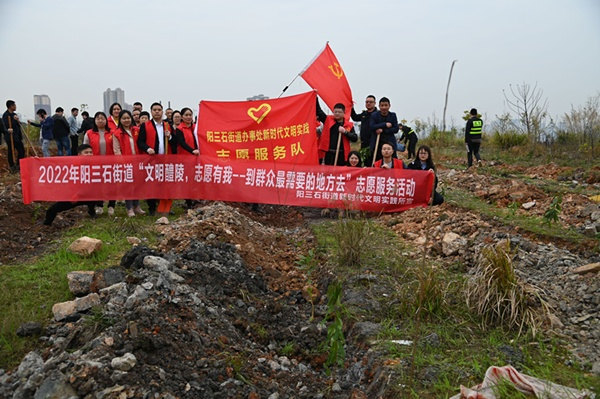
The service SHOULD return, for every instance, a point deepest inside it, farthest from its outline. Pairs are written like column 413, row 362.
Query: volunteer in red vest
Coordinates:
column 125, row 143
column 387, row 160
column 334, row 126
column 113, row 116
column 100, row 138
column 186, row 139
column 155, row 138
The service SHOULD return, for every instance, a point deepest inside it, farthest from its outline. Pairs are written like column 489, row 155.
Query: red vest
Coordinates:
column 152, row 135
column 323, row 144
column 397, row 163
column 125, row 143
column 94, row 139
column 188, row 136
column 111, row 124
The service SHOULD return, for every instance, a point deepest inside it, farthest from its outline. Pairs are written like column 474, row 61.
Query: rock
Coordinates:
column 555, row 321
column 31, row 363
column 80, row 282
column 163, row 220
column 589, row 268
column 87, row 302
column 29, row 328
column 364, row 330
column 139, row 294
column 114, row 289
column 595, row 215
column 107, row 277
column 451, row 243
column 63, row 310
column 275, row 366
column 432, row 340
column 134, row 258
column 512, row 354
column 336, row 387
column 134, row 240
column 528, row 205
column 430, row 374
column 589, row 230
column 55, row 386
column 85, row 246
column 156, row 263
column 274, row 395
column 124, row 363
column 596, row 368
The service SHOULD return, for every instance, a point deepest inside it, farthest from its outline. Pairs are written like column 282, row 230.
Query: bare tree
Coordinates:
column 446, row 102
column 585, row 122
column 530, row 106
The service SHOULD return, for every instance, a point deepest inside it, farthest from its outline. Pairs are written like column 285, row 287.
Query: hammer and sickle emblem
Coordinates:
column 255, row 113
column 337, row 70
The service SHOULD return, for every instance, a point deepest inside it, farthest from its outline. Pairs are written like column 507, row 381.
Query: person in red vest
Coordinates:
column 186, row 139
column 155, row 138
column 125, row 143
column 388, row 161
column 113, row 116
column 100, row 138
column 334, row 126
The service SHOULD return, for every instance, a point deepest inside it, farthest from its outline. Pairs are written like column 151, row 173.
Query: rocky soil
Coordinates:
column 222, row 308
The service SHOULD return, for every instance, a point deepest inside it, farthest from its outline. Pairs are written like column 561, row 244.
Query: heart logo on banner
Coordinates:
column 255, row 113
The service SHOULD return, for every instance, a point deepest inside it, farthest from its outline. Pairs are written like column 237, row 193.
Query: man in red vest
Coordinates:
column 155, row 138
column 334, row 126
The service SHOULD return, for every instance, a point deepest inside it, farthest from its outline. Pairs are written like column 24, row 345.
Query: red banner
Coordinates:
column 95, row 178
column 326, row 76
column 279, row 130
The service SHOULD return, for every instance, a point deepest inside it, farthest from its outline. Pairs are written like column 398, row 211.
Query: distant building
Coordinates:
column 113, row 96
column 257, row 97
column 41, row 101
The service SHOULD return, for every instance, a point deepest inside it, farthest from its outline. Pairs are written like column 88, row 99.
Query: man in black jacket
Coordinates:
column 384, row 124
column 61, row 132
column 473, row 137
column 86, row 124
column 13, row 135
column 410, row 139
column 365, row 124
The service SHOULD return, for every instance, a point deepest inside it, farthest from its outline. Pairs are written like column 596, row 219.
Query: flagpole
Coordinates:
column 303, row 69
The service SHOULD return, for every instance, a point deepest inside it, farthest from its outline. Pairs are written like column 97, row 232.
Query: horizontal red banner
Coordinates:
column 94, row 178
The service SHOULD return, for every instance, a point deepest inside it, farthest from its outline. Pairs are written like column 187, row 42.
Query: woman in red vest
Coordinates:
column 125, row 143
column 388, row 162
column 113, row 117
column 186, row 139
column 185, row 135
column 100, row 139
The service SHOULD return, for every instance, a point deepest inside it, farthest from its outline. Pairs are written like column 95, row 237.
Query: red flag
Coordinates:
column 326, row 76
column 275, row 130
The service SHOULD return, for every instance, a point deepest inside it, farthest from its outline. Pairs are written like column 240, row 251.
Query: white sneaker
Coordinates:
column 99, row 211
column 139, row 210
column 111, row 211
column 130, row 213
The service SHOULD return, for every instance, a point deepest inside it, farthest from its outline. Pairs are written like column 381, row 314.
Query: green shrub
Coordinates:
column 508, row 140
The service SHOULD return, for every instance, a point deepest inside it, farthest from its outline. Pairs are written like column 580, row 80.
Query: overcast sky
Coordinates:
column 187, row 51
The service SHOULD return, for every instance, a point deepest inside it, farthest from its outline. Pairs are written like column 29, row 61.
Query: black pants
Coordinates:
column 74, row 144
column 18, row 149
column 58, row 207
column 412, row 146
column 330, row 158
column 437, row 198
column 152, row 205
column 473, row 148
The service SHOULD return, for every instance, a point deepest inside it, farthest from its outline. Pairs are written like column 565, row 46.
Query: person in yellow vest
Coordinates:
column 473, row 137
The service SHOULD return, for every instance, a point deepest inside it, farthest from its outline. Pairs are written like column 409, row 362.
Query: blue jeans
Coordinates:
column 46, row 147
column 64, row 146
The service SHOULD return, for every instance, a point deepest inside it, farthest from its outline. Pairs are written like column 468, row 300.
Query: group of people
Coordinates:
column 124, row 132
column 378, row 140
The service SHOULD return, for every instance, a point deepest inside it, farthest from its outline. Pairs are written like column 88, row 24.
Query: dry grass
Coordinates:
column 500, row 298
